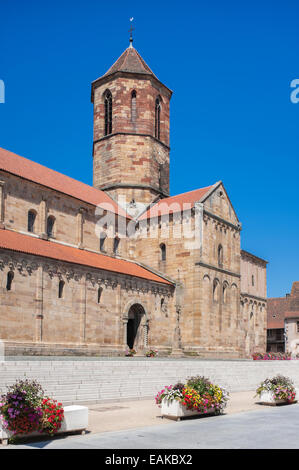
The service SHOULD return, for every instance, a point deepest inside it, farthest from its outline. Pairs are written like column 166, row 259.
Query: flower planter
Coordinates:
column 267, row 398
column 75, row 419
column 175, row 410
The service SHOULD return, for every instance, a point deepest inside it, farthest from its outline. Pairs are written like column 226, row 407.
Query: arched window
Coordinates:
column 31, row 220
column 216, row 290
column 163, row 252
column 50, row 226
column 100, row 290
column 224, row 293
column 220, row 255
column 157, row 117
column 60, row 289
column 10, row 276
column 108, row 112
column 116, row 245
column 103, row 237
column 133, row 106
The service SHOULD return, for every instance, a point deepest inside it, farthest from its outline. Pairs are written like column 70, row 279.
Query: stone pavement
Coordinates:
column 138, row 425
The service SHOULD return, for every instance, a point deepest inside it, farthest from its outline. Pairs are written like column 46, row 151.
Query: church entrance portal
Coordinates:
column 134, row 333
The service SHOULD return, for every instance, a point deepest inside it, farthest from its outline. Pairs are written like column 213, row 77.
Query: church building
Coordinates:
column 95, row 270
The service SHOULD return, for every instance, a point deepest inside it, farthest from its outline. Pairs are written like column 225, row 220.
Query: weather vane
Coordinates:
column 131, row 31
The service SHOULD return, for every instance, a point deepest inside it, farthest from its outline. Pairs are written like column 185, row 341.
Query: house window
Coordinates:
column 157, row 117
column 60, row 289
column 50, row 226
column 31, row 220
column 108, row 113
column 252, row 280
column 163, row 252
column 133, row 106
column 10, row 276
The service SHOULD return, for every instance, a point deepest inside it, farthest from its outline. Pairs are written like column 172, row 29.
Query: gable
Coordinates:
column 217, row 202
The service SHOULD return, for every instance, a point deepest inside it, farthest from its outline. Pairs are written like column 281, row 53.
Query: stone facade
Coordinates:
column 199, row 297
column 90, row 317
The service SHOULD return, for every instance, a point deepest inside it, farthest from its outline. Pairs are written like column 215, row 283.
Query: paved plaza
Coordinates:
column 137, row 425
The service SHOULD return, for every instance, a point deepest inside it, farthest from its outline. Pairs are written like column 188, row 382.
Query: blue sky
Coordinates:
column 229, row 64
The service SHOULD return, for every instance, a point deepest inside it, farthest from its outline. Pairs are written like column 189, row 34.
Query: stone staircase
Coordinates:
column 98, row 381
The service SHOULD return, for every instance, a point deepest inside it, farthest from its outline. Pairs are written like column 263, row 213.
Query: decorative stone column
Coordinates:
column 2, row 204
column 39, row 305
column 125, row 324
column 80, row 222
column 177, row 341
column 43, row 219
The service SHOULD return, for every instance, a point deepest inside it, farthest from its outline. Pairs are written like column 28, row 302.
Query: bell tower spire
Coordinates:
column 131, row 130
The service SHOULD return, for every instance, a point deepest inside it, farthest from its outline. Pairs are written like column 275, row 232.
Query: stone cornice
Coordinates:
column 108, row 187
column 237, row 227
column 105, row 137
column 255, row 258
column 260, row 299
column 217, row 268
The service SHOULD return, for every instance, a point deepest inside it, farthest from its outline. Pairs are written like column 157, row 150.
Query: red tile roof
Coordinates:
column 44, row 176
column 130, row 61
column 177, row 203
column 15, row 241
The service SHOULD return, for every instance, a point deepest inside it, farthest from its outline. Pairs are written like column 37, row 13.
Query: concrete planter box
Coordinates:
column 75, row 419
column 175, row 410
column 267, row 398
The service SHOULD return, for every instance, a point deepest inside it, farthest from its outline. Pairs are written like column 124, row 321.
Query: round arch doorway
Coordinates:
column 134, row 329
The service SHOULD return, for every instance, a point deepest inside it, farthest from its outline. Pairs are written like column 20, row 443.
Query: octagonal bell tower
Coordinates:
column 131, row 131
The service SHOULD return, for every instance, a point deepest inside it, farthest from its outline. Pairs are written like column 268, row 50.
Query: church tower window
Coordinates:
column 10, row 276
column 220, row 256
column 31, row 220
column 50, row 226
column 60, row 289
column 102, row 241
column 108, row 112
column 100, row 290
column 133, row 106
column 116, row 245
column 163, row 251
column 157, row 117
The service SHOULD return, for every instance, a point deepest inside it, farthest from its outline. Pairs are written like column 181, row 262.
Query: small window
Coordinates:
column 108, row 113
column 252, row 280
column 297, row 326
column 133, row 106
column 50, row 226
column 31, row 220
column 224, row 293
column 116, row 245
column 216, row 290
column 100, row 290
column 10, row 276
column 102, row 241
column 60, row 289
column 220, row 256
column 163, row 252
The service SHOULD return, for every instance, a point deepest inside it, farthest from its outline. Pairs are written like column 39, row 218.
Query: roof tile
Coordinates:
column 35, row 246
